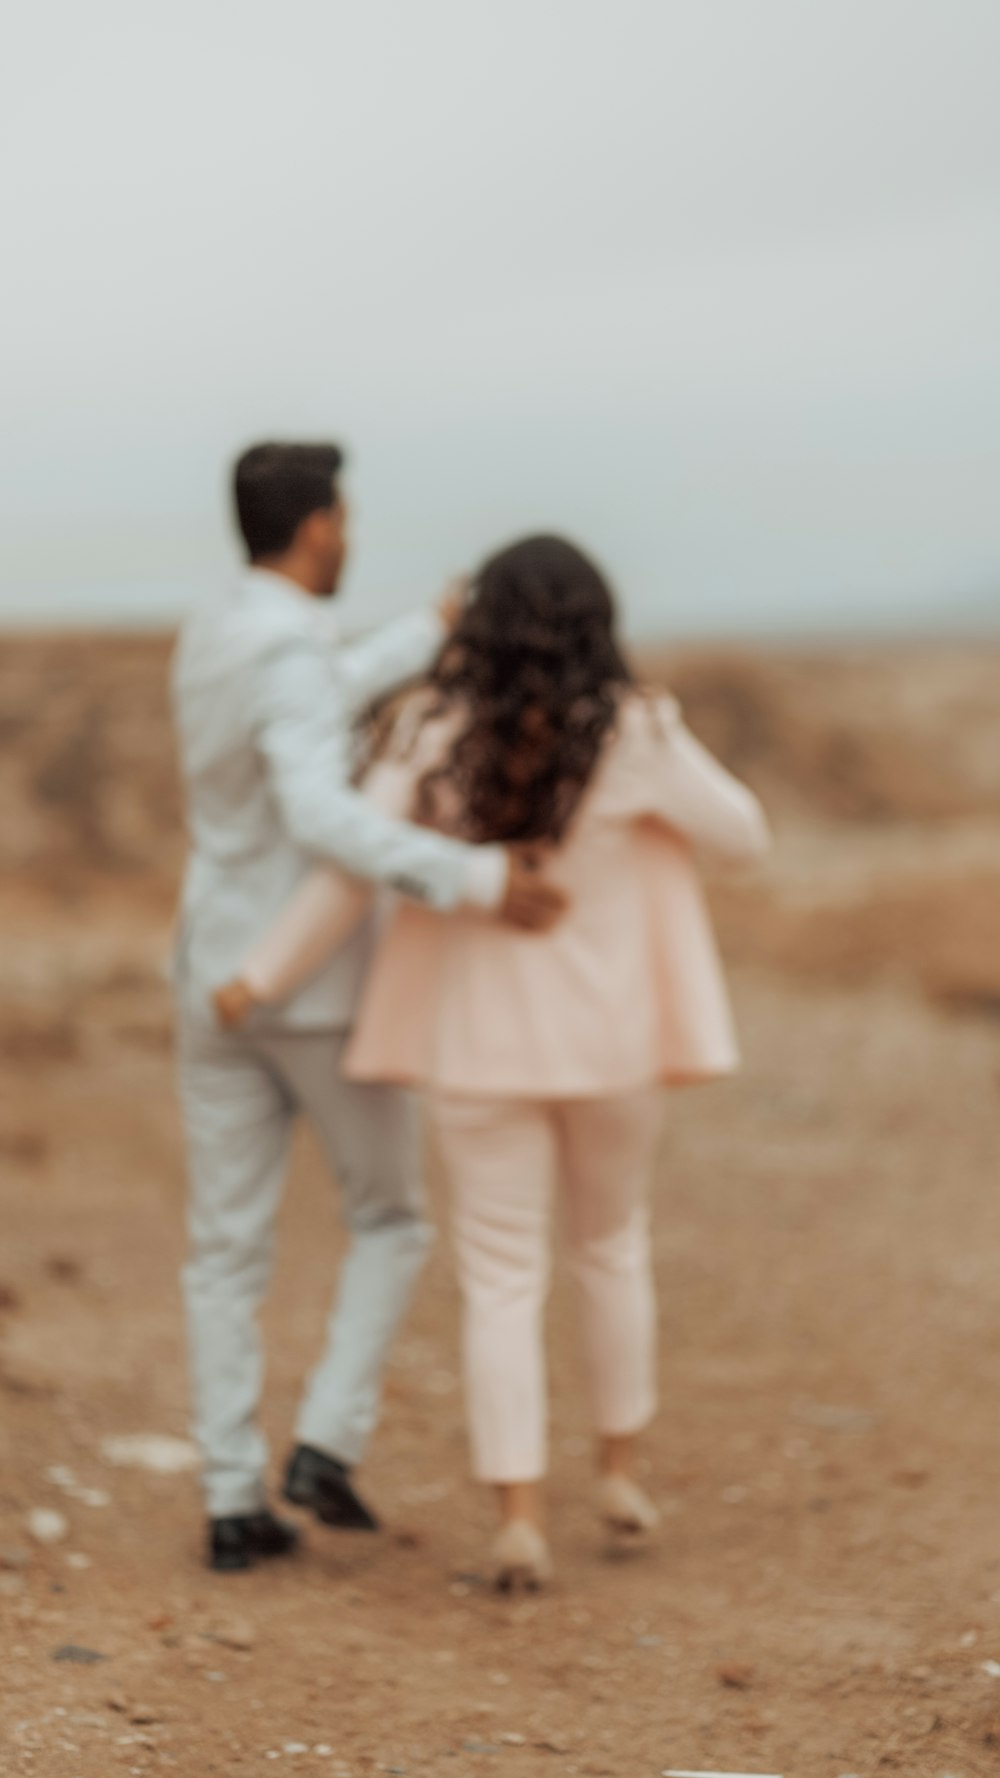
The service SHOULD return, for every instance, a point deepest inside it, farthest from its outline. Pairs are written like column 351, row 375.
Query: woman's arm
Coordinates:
column 670, row 777
column 325, row 910
column 321, row 916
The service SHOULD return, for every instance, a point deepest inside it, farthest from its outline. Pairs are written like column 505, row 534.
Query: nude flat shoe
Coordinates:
column 626, row 1509
column 521, row 1559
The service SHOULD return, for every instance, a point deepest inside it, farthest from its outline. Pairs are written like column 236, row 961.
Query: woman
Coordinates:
column 542, row 1056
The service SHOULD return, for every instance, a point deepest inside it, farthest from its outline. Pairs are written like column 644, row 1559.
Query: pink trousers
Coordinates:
column 503, row 1157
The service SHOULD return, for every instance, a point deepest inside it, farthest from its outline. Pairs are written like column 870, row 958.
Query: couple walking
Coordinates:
column 542, row 965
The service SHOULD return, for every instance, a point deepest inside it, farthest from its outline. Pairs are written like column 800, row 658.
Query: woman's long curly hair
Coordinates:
column 535, row 670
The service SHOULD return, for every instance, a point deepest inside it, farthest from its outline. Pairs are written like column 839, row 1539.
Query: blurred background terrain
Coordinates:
column 826, row 1597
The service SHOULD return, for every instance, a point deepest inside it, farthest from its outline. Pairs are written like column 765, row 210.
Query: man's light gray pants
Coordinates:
column 240, row 1095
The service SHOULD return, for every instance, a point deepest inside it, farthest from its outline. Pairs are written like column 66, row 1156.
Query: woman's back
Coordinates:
column 626, row 987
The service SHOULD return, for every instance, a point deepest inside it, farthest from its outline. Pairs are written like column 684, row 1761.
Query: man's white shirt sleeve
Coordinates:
column 300, row 725
column 486, row 877
column 388, row 657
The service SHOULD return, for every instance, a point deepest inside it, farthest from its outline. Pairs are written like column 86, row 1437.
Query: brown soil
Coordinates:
column 825, row 1598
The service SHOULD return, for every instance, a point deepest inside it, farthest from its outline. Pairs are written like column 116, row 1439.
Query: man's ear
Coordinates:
column 314, row 530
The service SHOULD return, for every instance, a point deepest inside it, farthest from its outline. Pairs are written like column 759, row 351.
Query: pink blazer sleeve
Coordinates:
column 659, row 772
column 328, row 905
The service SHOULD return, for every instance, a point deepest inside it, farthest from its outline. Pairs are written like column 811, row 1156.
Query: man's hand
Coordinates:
column 452, row 601
column 530, row 902
column 233, row 1004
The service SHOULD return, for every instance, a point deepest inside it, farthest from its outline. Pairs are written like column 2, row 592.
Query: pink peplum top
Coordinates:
column 627, row 988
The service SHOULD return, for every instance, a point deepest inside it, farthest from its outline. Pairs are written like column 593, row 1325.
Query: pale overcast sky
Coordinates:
column 713, row 285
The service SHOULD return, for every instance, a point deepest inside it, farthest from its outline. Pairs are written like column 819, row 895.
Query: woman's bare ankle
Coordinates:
column 616, row 1455
column 523, row 1501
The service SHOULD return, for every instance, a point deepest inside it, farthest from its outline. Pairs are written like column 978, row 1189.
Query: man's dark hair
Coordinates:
column 276, row 486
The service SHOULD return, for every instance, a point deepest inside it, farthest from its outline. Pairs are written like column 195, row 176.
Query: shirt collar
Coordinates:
column 316, row 614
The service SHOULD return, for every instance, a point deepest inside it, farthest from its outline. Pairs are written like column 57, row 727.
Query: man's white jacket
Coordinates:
column 264, row 694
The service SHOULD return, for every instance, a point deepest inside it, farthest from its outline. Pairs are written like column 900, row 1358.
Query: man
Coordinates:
column 264, row 692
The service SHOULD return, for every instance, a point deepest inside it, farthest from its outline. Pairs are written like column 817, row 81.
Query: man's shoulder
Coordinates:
column 236, row 626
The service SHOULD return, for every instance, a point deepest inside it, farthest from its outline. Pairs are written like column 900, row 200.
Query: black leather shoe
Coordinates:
column 238, row 1543
column 320, row 1483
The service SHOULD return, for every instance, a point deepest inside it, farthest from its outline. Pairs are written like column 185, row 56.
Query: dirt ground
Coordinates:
column 825, row 1596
